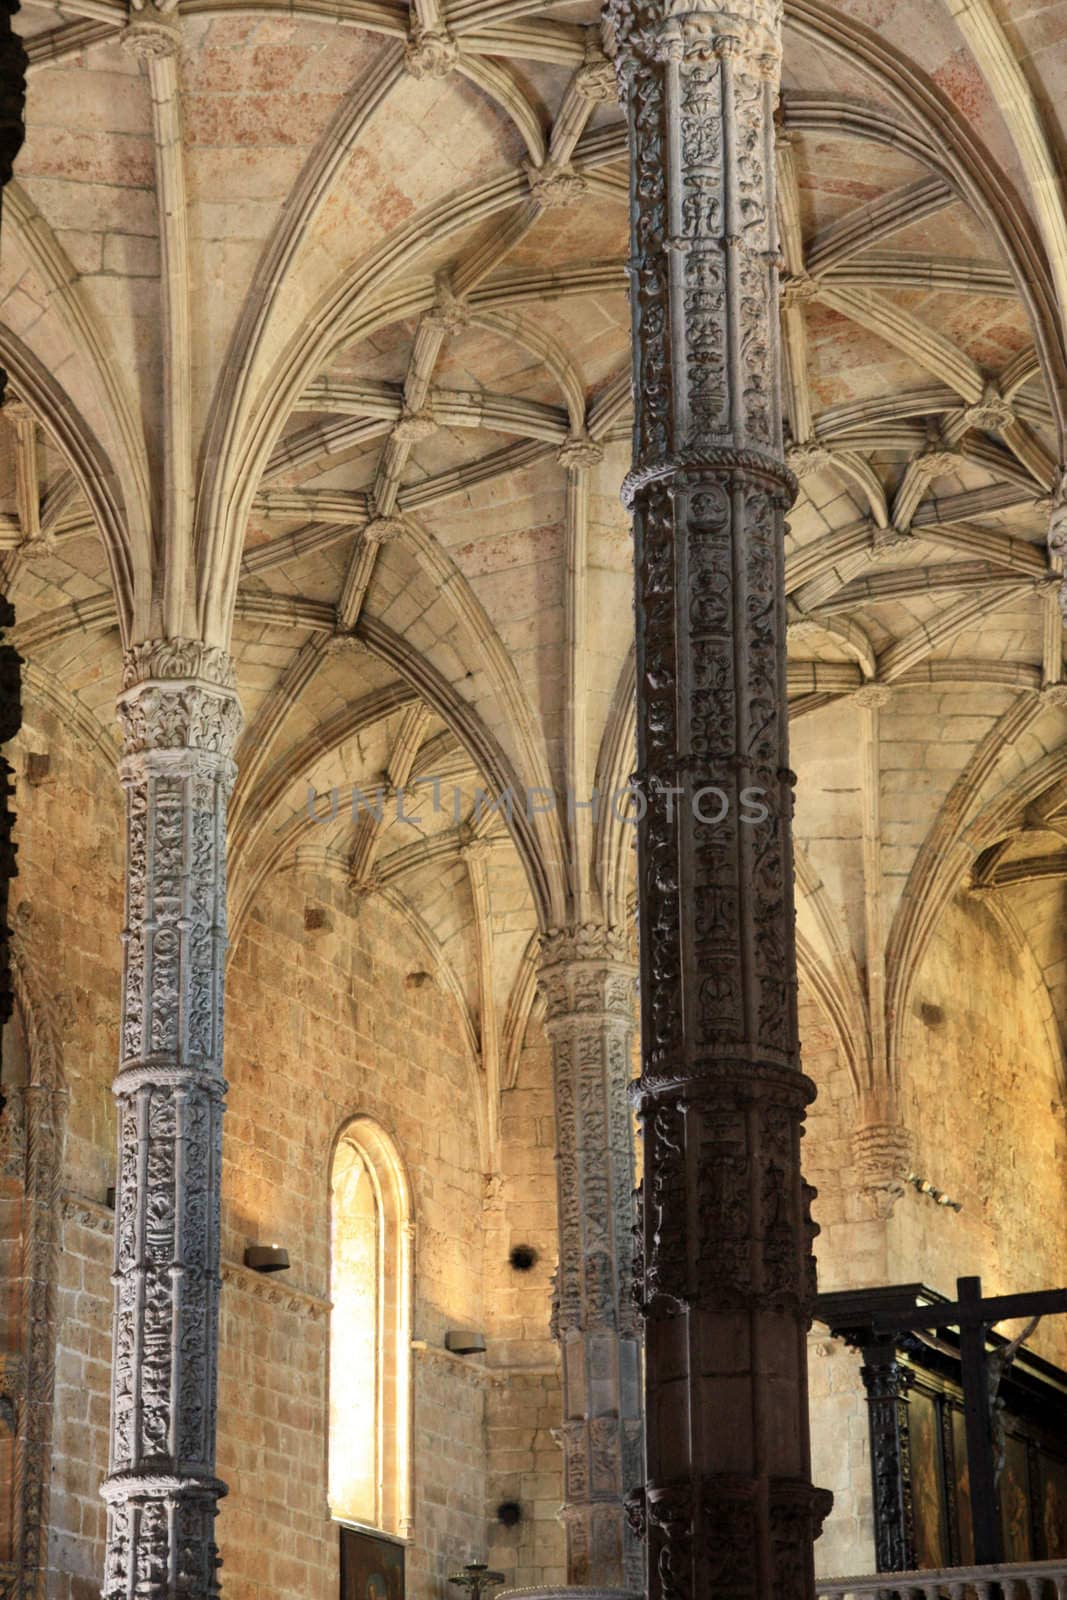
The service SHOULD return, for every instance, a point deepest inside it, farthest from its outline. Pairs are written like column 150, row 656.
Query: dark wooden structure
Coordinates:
column 921, row 1478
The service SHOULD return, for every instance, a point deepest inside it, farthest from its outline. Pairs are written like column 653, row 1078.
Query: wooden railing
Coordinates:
column 1023, row 1580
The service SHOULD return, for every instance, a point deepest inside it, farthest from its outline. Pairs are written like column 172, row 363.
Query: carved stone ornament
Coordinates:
column 555, row 183
column 346, row 644
column 808, row 457
column 180, row 718
column 872, row 696
column 587, row 984
column 937, row 462
column 887, row 542
column 151, row 37
column 596, row 81
column 414, row 426
column 992, row 413
column 1055, row 694
column 883, row 1153
column 798, row 289
column 450, row 312
column 579, row 452
column 430, row 53
column 384, row 530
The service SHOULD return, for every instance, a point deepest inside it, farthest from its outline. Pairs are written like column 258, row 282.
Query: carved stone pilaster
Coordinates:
column 180, row 718
column 886, row 1381
column 587, row 983
column 727, row 1278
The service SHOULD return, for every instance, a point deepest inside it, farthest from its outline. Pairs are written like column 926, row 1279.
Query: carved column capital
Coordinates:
column 178, row 695
column 647, row 31
column 586, row 970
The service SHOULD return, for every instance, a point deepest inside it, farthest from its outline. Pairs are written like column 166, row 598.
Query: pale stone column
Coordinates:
column 727, row 1278
column 587, row 984
column 180, row 717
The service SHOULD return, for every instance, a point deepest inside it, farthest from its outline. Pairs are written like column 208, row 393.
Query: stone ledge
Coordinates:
column 98, row 1218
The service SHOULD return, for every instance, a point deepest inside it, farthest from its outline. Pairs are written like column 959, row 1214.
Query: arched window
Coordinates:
column 370, row 1331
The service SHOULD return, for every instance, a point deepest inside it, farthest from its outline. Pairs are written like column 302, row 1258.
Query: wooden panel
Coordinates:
column 372, row 1566
column 927, row 1481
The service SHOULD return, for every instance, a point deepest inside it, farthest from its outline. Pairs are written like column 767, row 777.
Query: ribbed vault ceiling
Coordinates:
column 349, row 345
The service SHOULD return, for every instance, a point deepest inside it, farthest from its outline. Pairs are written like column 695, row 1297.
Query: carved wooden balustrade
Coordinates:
column 1016, row 1580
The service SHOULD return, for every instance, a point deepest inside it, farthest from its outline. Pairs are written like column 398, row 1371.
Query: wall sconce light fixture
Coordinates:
column 465, row 1342
column 267, row 1258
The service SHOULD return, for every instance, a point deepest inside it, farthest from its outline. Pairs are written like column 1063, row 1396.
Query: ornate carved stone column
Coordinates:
column 886, row 1381
column 727, row 1277
column 180, row 718
column 587, row 984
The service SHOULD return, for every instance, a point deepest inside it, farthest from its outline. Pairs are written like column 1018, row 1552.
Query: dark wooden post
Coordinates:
column 985, row 1514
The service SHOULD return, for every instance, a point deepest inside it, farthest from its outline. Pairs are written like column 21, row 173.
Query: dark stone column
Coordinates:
column 727, row 1278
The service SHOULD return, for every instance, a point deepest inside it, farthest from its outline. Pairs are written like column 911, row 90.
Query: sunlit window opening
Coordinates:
column 370, row 1331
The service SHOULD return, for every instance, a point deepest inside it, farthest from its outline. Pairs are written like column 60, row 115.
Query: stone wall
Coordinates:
column 67, row 917
column 984, row 1093
column 525, row 1460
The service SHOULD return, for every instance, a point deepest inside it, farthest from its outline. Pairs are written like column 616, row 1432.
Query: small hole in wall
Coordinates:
column 523, row 1257
column 509, row 1513
column 930, row 1015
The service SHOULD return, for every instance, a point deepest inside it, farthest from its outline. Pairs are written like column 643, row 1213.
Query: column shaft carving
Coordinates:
column 587, row 985
column 726, row 1278
column 180, row 717
column 887, row 1381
